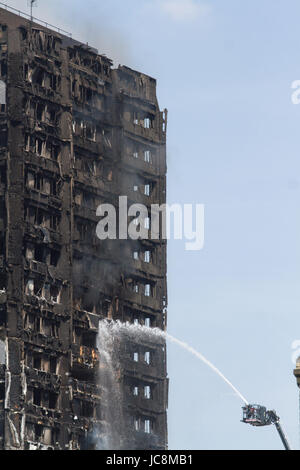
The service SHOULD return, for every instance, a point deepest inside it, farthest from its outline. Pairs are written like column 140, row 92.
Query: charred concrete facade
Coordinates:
column 75, row 133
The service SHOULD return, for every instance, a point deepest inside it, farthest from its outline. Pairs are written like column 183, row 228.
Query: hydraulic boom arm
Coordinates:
column 275, row 419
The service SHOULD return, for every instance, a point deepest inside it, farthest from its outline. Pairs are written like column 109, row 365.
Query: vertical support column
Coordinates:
column 15, row 394
column 65, row 262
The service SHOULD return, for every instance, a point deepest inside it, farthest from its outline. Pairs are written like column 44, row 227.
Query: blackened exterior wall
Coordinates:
column 75, row 133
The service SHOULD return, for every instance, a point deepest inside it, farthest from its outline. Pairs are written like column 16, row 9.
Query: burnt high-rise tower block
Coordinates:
column 75, row 133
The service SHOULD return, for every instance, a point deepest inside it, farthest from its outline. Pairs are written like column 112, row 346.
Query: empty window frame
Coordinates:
column 41, row 183
column 55, row 293
column 37, row 361
column 135, row 357
column 31, row 322
column 46, row 292
column 52, row 400
column 30, row 180
column 147, row 357
column 147, row 123
column 137, row 423
column 48, row 436
column 147, row 426
column 49, row 328
column 50, row 115
column 147, row 223
column 2, row 92
column 84, row 129
column 37, row 76
column 89, row 339
column 87, row 409
column 37, row 396
column 29, row 289
column 40, row 217
column 47, row 188
column 2, row 391
column 53, row 365
column 46, row 148
column 135, row 287
column 38, row 432
column 3, row 133
column 29, row 142
column 54, row 257
column 147, row 392
column 147, row 189
column 91, row 132
column 147, row 156
column 147, row 290
column 136, row 118
column 3, row 68
column 42, row 78
column 40, row 253
column 40, row 112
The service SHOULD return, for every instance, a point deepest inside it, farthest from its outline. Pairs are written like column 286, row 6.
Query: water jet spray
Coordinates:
column 255, row 415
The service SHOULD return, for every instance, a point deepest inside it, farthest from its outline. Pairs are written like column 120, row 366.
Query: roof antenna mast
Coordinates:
column 32, row 2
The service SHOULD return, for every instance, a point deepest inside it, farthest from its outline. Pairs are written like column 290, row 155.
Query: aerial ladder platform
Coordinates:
column 258, row 415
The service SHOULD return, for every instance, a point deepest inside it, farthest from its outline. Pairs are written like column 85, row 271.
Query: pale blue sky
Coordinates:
column 224, row 71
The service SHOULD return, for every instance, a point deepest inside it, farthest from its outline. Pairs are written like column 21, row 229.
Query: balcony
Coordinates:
column 42, row 162
column 140, row 266
column 37, row 267
column 140, row 299
column 43, row 412
column 91, row 146
column 147, row 406
column 142, row 371
column 90, row 180
column 43, row 91
column 32, row 303
column 42, row 234
column 85, row 361
column 147, row 168
column 43, row 199
column 86, row 212
column 49, row 380
column 41, row 340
